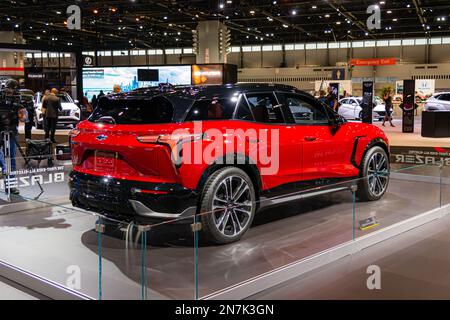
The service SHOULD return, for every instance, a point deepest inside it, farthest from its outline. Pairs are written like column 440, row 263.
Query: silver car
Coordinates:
column 438, row 102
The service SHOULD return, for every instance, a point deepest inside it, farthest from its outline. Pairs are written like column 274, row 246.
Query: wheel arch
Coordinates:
column 242, row 162
column 358, row 154
column 377, row 142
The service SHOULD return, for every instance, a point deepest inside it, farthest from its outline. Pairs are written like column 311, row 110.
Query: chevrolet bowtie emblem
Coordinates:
column 101, row 137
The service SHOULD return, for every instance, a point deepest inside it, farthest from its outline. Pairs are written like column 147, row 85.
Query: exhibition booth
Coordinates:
column 65, row 252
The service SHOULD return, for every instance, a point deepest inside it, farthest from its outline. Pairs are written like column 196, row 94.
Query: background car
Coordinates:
column 438, row 102
column 70, row 114
column 350, row 108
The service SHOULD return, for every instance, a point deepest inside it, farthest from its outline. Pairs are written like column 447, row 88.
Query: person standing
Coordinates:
column 29, row 122
column 387, row 98
column 52, row 106
column 11, row 112
column 331, row 99
column 322, row 97
column 94, row 101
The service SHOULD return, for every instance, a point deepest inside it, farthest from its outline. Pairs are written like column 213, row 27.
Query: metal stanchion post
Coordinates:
column 7, row 154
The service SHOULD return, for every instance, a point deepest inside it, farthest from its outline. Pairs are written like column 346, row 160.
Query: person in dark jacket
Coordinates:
column 52, row 106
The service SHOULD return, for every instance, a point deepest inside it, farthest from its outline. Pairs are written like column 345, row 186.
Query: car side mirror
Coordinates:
column 336, row 122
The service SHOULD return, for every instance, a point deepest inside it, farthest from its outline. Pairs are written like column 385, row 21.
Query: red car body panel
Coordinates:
column 305, row 152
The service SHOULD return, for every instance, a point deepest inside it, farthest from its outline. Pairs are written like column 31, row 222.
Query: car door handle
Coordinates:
column 310, row 138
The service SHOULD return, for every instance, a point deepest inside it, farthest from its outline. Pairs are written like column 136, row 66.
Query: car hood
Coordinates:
column 69, row 106
column 379, row 107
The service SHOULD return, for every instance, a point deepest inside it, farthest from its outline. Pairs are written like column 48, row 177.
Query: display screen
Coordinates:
column 148, row 75
column 104, row 79
column 207, row 74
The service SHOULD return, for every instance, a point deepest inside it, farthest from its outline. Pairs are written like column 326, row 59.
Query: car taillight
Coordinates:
column 73, row 133
column 171, row 139
column 174, row 141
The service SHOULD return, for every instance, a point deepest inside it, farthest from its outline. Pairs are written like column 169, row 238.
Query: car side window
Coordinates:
column 305, row 111
column 265, row 108
column 344, row 101
column 243, row 111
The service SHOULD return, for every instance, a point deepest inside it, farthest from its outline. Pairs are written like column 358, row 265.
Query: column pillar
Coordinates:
column 212, row 42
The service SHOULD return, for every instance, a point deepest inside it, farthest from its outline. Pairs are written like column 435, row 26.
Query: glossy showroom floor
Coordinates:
column 49, row 240
column 414, row 265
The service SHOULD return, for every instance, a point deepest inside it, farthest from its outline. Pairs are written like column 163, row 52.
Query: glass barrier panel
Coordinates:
column 119, row 247
column 169, row 259
column 410, row 191
column 52, row 242
column 445, row 185
column 285, row 229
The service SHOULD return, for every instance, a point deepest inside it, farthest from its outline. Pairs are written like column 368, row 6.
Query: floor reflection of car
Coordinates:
column 350, row 108
column 70, row 114
column 438, row 102
column 132, row 162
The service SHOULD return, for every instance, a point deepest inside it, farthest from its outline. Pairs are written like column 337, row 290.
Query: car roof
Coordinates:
column 201, row 92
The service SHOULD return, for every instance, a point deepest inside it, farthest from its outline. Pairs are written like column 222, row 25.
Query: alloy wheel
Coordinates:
column 378, row 173
column 232, row 206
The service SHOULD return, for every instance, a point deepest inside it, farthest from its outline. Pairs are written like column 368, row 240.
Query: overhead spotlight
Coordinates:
column 395, row 19
column 389, row 11
column 165, row 18
column 285, row 26
column 252, row 11
column 137, row 19
column 294, row 12
column 314, row 7
column 338, row 22
column 58, row 12
column 221, row 6
column 327, row 16
column 95, row 11
column 274, row 2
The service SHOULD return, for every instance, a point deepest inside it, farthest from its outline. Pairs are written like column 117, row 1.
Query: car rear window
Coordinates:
column 153, row 111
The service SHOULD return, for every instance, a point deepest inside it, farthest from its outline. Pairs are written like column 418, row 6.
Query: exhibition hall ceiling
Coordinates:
column 162, row 24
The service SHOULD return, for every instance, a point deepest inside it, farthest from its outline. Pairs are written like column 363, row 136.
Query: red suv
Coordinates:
column 226, row 150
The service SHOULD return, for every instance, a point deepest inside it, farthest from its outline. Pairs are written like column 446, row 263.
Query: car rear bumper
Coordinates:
column 127, row 200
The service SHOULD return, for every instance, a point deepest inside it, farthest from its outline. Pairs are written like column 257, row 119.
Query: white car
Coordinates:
column 70, row 114
column 350, row 108
column 438, row 102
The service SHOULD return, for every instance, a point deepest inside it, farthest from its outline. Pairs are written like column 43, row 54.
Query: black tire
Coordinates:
column 367, row 190
column 212, row 191
column 39, row 125
column 360, row 115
